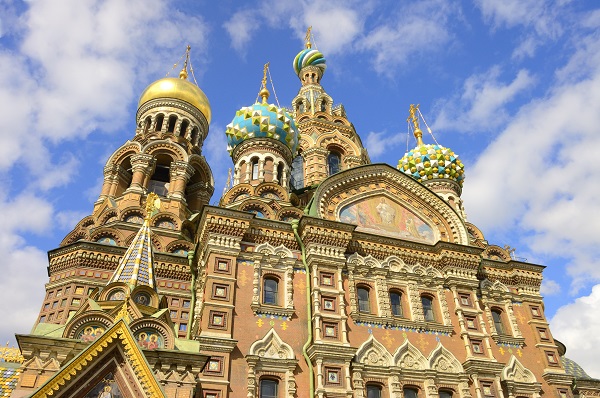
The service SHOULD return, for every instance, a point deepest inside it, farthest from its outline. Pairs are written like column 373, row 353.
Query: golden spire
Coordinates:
column 264, row 93
column 152, row 204
column 307, row 37
column 183, row 74
column 412, row 117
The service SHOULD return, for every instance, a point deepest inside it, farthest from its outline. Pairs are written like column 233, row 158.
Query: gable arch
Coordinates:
column 129, row 149
column 271, row 346
column 444, row 361
column 408, row 356
column 335, row 138
column 163, row 147
column 373, row 353
column 420, row 207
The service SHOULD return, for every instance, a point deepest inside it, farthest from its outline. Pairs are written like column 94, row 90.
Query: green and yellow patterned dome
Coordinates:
column 428, row 162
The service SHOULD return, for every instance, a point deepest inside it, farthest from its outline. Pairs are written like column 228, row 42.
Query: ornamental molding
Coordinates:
column 518, row 380
column 271, row 346
column 172, row 103
column 373, row 353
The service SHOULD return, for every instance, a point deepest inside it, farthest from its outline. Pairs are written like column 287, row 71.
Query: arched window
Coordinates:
column 254, row 169
column 268, row 388
column 194, row 135
column 497, row 317
column 297, row 178
column 159, row 182
column 410, row 392
column 147, row 123
column 280, row 172
column 323, row 106
column 427, row 302
column 183, row 129
column 396, row 302
column 333, row 163
column 373, row 391
column 172, row 123
column 270, row 287
column 363, row 300
column 159, row 123
column 445, row 394
column 300, row 107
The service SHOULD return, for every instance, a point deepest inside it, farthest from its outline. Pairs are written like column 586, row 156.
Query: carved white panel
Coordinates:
column 408, row 356
column 372, row 352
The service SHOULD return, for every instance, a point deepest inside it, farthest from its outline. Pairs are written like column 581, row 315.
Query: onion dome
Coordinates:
column 178, row 88
column 309, row 57
column 262, row 120
column 426, row 162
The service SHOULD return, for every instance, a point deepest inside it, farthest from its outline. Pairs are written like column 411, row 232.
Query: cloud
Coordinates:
column 537, row 176
column 330, row 38
column 481, row 105
column 577, row 325
column 539, row 15
column 377, row 143
column 549, row 287
column 72, row 68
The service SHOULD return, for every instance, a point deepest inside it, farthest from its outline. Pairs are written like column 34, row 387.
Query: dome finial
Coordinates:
column 412, row 117
column 184, row 74
column 264, row 93
column 307, row 37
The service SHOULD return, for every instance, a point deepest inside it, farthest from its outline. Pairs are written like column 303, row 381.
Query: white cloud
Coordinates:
column 549, row 287
column 377, row 143
column 540, row 15
column 526, row 48
column 577, row 325
column 481, row 105
column 538, row 175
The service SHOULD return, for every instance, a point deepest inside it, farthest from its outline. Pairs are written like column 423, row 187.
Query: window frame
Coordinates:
column 376, row 387
column 400, row 313
column 497, row 320
column 332, row 168
column 275, row 295
column 366, row 301
column 431, row 299
column 410, row 388
column 266, row 380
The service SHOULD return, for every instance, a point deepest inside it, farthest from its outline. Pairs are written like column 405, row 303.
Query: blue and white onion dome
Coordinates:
column 426, row 162
column 262, row 120
column 309, row 57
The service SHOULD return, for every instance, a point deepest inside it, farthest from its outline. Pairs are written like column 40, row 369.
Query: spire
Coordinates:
column 264, row 93
column 136, row 266
column 184, row 74
column 307, row 37
column 412, row 117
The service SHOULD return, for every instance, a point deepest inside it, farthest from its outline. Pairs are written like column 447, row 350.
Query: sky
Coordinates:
column 512, row 86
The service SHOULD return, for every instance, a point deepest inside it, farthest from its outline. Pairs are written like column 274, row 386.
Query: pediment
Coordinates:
column 372, row 352
column 114, row 355
column 271, row 346
column 379, row 199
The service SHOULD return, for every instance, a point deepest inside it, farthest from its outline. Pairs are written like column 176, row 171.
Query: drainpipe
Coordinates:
column 194, row 273
column 309, row 325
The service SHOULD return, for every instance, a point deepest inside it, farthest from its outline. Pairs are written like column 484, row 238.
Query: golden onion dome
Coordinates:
column 177, row 88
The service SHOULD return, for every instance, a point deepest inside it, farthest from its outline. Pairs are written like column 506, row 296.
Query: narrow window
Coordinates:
column 363, row 300
column 159, row 123
column 183, row 129
column 268, row 388
column 333, row 161
column 497, row 317
column 323, row 106
column 147, row 123
column 396, row 303
column 270, row 291
column 410, row 392
column 445, row 394
column 254, row 169
column 194, row 135
column 428, row 308
column 280, row 172
column 373, row 391
column 172, row 123
column 297, row 178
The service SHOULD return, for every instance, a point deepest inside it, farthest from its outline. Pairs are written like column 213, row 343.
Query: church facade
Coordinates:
column 318, row 274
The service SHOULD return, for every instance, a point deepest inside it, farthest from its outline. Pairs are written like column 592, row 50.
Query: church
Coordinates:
column 318, row 274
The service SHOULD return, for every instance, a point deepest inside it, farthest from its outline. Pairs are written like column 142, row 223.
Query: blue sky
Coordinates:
column 512, row 86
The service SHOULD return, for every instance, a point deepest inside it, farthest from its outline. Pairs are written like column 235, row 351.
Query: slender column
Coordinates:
column 142, row 166
column 181, row 172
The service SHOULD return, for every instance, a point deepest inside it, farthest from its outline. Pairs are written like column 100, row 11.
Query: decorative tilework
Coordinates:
column 8, row 380
column 427, row 162
column 136, row 266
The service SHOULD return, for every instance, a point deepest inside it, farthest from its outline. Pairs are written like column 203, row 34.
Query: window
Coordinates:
column 214, row 366
column 297, row 177
column 43, row 319
column 396, row 303
column 186, row 303
column 159, row 122
column 220, row 291
column 373, row 391
column 445, row 394
column 254, row 166
column 363, row 300
column 183, row 327
column 270, row 291
column 471, row 324
column 332, row 376
column 173, row 314
column 465, row 300
column 79, row 290
column 268, row 388
column 175, row 302
column 326, row 279
column 333, row 163
column 185, row 315
column 536, row 312
column 427, row 302
column 543, row 333
column 75, row 301
column 487, row 387
column 477, row 346
column 551, row 356
column 410, row 392
column 222, row 265
column 497, row 317
column 217, row 320
column 329, row 303
column 330, row 330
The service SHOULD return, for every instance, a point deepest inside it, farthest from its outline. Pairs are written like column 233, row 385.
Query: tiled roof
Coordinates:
column 8, row 378
column 572, row 368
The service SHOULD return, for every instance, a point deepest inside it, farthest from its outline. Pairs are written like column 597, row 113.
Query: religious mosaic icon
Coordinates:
column 149, row 339
column 91, row 333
